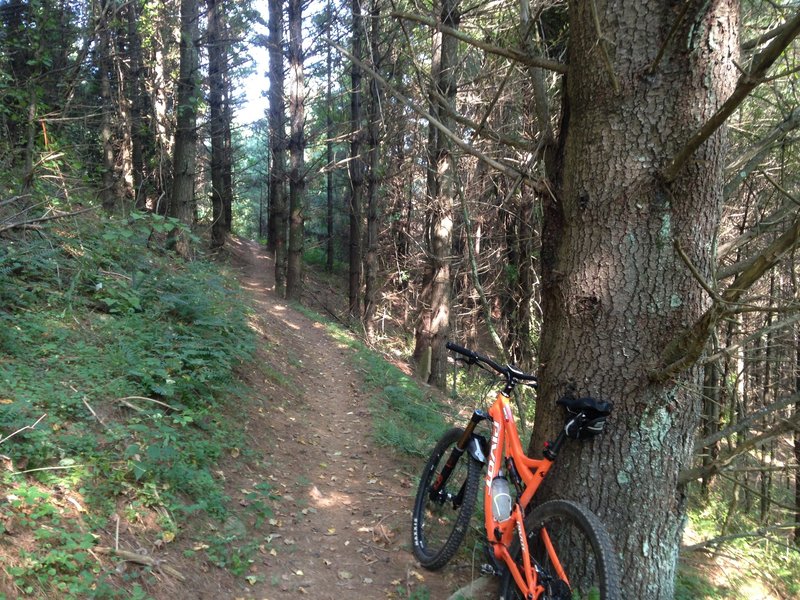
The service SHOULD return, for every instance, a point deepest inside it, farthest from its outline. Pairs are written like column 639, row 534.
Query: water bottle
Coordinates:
column 501, row 498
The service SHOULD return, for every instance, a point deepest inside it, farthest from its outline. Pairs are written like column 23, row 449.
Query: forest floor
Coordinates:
column 339, row 525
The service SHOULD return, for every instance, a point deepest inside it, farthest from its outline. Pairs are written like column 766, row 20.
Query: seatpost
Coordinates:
column 551, row 449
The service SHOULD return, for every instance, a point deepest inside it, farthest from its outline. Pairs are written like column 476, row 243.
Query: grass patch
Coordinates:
column 125, row 355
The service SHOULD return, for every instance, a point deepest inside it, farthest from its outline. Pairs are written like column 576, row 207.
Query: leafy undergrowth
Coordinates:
column 735, row 556
column 115, row 357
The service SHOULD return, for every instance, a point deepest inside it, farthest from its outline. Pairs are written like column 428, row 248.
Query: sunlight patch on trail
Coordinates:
column 334, row 498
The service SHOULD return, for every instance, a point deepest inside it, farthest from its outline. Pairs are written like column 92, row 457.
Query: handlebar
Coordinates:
column 512, row 374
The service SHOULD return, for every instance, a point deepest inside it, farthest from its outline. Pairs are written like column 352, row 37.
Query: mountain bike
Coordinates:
column 559, row 550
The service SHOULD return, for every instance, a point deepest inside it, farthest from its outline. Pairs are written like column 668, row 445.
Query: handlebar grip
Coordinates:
column 460, row 349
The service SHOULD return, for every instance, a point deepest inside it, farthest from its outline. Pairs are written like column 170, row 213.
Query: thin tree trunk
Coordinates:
column 160, row 84
column 710, row 420
column 356, row 166
column 30, row 143
column 227, row 138
column 216, row 59
column 373, row 180
column 297, row 145
column 277, row 139
column 329, row 141
column 185, row 149
column 434, row 321
column 767, row 398
column 136, row 97
column 797, row 441
column 105, row 67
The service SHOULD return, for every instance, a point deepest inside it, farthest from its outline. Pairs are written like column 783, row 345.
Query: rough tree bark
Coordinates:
column 615, row 289
column 277, row 141
column 216, row 66
column 138, row 103
column 181, row 204
column 105, row 68
column 797, row 443
column 297, row 146
column 434, row 320
column 373, row 179
column 329, row 141
column 356, row 166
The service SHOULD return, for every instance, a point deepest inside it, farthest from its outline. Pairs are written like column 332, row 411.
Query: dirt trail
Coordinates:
column 340, row 528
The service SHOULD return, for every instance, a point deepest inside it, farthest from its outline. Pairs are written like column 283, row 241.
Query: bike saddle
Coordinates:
column 592, row 406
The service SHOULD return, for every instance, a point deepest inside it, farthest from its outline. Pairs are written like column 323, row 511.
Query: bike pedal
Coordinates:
column 487, row 569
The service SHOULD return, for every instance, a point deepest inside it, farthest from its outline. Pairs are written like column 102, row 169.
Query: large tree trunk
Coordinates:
column 185, row 150
column 297, row 146
column 434, row 321
column 615, row 290
column 277, row 141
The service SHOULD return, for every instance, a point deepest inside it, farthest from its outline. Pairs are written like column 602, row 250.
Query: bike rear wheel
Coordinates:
column 581, row 545
column 441, row 522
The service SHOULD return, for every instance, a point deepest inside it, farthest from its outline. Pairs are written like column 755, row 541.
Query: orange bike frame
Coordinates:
column 500, row 534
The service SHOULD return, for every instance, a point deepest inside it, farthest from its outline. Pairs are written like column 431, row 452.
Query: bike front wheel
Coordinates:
column 564, row 533
column 441, row 519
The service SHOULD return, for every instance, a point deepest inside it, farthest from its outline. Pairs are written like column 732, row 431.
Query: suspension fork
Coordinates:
column 461, row 446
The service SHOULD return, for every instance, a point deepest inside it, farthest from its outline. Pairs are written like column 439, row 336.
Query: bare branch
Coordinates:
column 476, row 281
column 767, row 259
column 697, row 275
column 481, row 130
column 746, row 84
column 43, row 219
column 685, row 349
column 764, row 38
column 759, row 533
column 764, row 225
column 507, row 170
column 730, row 349
column 673, row 30
column 745, row 424
column 531, row 61
column 749, row 160
column 602, row 47
column 725, row 459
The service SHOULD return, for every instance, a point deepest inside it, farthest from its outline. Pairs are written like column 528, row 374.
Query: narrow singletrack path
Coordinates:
column 340, row 524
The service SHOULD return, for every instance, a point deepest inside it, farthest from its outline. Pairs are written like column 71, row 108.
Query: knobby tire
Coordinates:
column 582, row 545
column 433, row 520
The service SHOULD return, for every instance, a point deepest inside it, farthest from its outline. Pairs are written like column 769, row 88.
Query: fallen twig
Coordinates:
column 43, row 219
column 124, row 401
column 142, row 559
column 8, row 437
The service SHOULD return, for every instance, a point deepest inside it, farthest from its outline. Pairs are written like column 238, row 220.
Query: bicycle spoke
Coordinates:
column 571, row 552
column 441, row 518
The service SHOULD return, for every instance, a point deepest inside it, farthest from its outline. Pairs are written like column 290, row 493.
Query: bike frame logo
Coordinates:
column 490, row 472
column 522, row 542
